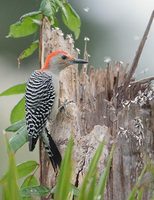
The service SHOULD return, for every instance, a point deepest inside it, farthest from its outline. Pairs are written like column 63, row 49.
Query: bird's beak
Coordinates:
column 79, row 61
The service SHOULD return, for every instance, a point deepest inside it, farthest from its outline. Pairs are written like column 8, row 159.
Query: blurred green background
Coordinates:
column 114, row 28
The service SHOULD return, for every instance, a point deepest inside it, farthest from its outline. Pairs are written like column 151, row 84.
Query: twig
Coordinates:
column 143, row 81
column 138, row 53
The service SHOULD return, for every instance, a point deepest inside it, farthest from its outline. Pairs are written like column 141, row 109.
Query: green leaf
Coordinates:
column 17, row 89
column 18, row 112
column 70, row 18
column 63, row 9
column 19, row 139
column 73, row 20
column 29, row 51
column 55, row 22
column 100, row 190
column 30, row 181
column 63, row 183
column 31, row 14
column 22, row 170
column 34, row 191
column 26, row 168
column 16, row 126
column 49, row 8
column 90, row 173
column 24, row 27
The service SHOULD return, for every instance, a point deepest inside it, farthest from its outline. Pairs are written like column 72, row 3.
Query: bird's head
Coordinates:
column 58, row 60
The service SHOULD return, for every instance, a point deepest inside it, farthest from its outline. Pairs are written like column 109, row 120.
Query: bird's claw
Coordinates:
column 62, row 108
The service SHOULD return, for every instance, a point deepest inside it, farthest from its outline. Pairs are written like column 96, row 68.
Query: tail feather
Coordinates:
column 51, row 149
column 32, row 142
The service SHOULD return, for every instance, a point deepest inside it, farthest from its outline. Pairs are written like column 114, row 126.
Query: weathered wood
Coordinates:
column 95, row 114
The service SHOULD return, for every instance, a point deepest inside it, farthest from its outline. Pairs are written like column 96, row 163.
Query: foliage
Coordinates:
column 9, row 181
column 63, row 189
column 88, row 186
column 29, row 51
column 25, row 27
column 92, row 188
column 30, row 23
column 71, row 19
column 19, row 181
column 17, row 118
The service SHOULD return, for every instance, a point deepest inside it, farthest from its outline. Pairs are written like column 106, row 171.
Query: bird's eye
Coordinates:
column 64, row 57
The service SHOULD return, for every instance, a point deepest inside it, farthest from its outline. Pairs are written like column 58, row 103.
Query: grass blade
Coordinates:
column 11, row 190
column 103, row 180
column 140, row 194
column 91, row 172
column 132, row 194
column 90, row 190
column 63, row 186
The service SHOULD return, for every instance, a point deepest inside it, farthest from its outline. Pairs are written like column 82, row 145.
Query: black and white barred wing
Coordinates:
column 40, row 97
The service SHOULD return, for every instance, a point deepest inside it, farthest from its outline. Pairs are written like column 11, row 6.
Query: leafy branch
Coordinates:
column 30, row 23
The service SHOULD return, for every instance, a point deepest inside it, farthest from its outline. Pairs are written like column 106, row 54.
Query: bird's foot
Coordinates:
column 62, row 107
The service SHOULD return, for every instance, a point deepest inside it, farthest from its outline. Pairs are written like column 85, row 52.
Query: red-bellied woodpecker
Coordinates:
column 42, row 93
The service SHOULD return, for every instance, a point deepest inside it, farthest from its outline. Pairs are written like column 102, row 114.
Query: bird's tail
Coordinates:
column 51, row 149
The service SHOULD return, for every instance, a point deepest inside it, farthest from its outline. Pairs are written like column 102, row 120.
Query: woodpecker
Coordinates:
column 42, row 94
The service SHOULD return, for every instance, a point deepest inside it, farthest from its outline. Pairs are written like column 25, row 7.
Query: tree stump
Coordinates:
column 101, row 110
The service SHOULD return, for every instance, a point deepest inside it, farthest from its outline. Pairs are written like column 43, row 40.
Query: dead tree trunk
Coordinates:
column 100, row 109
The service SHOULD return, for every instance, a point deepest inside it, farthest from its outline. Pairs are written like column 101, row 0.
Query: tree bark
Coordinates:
column 100, row 111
